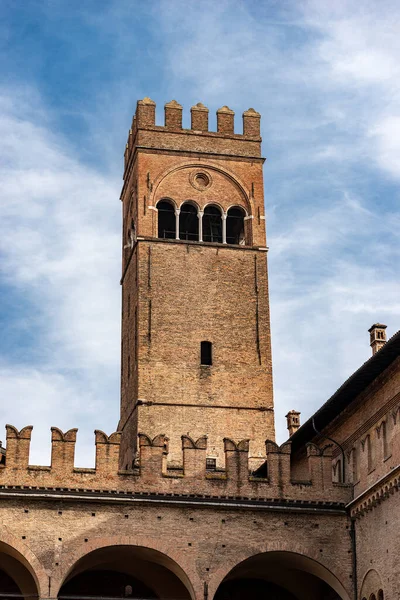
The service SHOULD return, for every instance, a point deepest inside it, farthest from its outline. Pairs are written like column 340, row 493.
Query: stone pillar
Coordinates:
column 177, row 213
column 224, row 217
column 200, row 217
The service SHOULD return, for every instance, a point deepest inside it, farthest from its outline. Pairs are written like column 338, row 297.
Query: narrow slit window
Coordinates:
column 206, row 353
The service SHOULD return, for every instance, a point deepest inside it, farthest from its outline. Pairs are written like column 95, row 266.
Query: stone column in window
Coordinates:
column 224, row 215
column 200, row 217
column 177, row 212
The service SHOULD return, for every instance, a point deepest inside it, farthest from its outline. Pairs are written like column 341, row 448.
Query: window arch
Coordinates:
column 212, row 224
column 235, row 226
column 188, row 222
column 166, row 220
column 380, row 595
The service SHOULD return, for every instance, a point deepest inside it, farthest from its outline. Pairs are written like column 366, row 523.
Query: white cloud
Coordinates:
column 60, row 245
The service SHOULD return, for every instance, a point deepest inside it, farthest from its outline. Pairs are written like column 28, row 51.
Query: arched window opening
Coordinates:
column 166, row 220
column 212, row 225
column 235, row 226
column 206, row 353
column 380, row 595
column 188, row 223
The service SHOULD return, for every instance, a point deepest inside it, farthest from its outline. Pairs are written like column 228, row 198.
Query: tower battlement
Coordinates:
column 245, row 143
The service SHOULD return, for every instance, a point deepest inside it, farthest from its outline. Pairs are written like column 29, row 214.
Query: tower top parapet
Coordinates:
column 146, row 133
column 146, row 118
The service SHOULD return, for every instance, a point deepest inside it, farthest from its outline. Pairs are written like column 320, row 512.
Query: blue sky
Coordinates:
column 325, row 77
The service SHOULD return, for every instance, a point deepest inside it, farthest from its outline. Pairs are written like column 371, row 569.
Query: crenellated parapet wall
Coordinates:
column 145, row 120
column 151, row 472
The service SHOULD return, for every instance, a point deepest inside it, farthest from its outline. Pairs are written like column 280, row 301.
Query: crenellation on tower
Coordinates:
column 173, row 115
column 251, row 123
column 199, row 117
column 145, row 113
column 225, row 120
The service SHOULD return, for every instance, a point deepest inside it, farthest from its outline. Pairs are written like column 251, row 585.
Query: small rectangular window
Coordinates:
column 206, row 353
column 211, row 464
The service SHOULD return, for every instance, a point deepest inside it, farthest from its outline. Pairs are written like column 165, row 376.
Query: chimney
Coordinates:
column 293, row 421
column 377, row 337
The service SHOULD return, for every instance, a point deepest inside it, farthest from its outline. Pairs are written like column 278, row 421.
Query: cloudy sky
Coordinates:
column 325, row 77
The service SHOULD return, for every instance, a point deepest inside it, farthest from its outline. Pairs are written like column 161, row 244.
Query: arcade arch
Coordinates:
column 17, row 578
column 126, row 572
column 280, row 575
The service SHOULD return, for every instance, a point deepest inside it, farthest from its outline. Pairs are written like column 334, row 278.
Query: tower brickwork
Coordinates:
column 196, row 352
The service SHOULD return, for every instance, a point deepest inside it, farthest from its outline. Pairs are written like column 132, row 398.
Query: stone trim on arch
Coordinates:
column 165, row 199
column 371, row 584
column 190, row 577
column 29, row 560
column 219, row 575
column 202, row 165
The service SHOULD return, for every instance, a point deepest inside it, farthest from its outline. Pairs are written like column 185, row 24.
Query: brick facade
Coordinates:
column 153, row 519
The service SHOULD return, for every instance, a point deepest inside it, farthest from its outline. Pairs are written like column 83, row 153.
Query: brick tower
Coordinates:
column 196, row 352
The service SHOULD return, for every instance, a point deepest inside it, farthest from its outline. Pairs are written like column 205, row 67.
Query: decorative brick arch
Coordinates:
column 371, row 584
column 13, row 546
column 212, row 167
column 183, row 570
column 312, row 558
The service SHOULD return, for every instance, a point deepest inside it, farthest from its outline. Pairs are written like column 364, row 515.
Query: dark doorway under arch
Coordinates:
column 8, row 585
column 106, row 584
column 16, row 575
column 252, row 588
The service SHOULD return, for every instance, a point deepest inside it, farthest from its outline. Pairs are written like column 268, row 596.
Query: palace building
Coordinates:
column 191, row 498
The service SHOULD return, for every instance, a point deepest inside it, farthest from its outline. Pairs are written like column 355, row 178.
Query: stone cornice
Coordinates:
column 124, row 497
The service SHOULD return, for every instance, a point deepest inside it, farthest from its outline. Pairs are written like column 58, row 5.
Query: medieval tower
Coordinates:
column 196, row 351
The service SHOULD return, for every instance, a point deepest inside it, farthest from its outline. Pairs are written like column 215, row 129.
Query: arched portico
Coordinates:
column 280, row 575
column 126, row 571
column 17, row 577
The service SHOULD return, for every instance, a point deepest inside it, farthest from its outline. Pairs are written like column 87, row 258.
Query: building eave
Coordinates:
column 348, row 392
